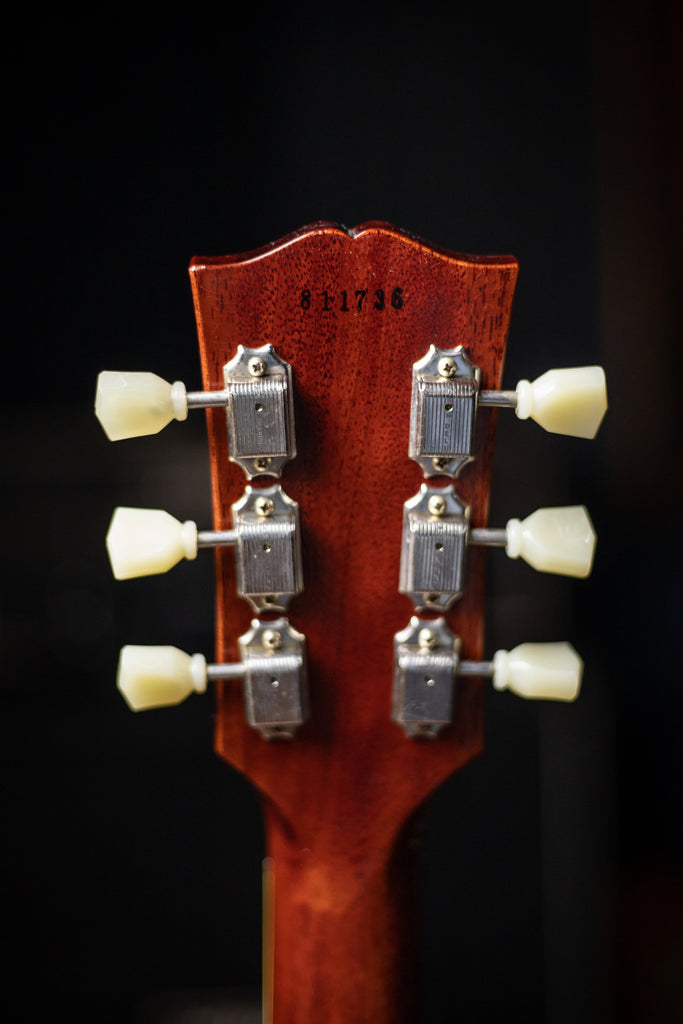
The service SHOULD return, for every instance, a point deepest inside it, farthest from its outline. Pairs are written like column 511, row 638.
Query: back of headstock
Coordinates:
column 385, row 357
column 350, row 312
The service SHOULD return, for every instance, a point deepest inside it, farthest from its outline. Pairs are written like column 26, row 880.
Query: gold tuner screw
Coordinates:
column 264, row 506
column 257, row 367
column 272, row 639
column 437, row 505
column 427, row 638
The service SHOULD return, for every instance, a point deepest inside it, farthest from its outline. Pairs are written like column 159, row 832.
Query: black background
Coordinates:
column 552, row 882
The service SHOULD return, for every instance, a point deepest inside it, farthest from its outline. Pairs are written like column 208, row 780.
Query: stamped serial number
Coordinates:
column 361, row 299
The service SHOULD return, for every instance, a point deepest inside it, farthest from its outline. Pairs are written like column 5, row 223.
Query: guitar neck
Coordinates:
column 341, row 935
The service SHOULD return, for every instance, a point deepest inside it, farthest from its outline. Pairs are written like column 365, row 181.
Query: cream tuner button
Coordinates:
column 157, row 677
column 145, row 541
column 136, row 404
column 558, row 540
column 539, row 671
column 571, row 401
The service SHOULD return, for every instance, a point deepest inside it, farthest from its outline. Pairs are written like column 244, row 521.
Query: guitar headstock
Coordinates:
column 351, row 380
column 351, row 312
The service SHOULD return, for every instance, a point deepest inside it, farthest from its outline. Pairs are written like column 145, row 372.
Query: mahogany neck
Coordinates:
column 341, row 927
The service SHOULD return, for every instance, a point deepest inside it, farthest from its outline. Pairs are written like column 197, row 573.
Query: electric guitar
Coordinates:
column 351, row 380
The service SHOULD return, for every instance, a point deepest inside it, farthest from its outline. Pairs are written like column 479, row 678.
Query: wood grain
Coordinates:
column 339, row 799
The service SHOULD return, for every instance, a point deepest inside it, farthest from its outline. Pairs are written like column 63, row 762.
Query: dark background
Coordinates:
column 552, row 883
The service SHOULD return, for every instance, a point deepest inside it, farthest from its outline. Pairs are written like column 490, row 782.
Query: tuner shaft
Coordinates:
column 206, row 399
column 496, row 399
column 476, row 668
column 230, row 670
column 492, row 538
column 217, row 538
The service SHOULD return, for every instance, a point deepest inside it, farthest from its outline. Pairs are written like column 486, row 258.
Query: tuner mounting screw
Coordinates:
column 447, row 367
column 427, row 638
column 264, row 506
column 262, row 463
column 257, row 367
column 437, row 505
column 272, row 639
column 441, row 462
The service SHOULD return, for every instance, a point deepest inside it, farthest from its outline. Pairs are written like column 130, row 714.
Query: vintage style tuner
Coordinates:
column 257, row 396
column 428, row 667
column 446, row 395
column 272, row 665
column 437, row 535
column 265, row 534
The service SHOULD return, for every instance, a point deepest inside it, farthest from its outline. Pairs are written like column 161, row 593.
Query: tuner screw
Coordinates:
column 272, row 639
column 441, row 462
column 257, row 367
column 264, row 506
column 437, row 505
column 447, row 367
column 427, row 638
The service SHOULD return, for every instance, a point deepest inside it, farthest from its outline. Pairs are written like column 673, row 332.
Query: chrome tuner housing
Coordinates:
column 260, row 412
column 433, row 548
column 443, row 411
column 275, row 683
column 268, row 548
column 426, row 660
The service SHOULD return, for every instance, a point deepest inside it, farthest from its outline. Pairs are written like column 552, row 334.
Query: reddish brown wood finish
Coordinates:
column 340, row 797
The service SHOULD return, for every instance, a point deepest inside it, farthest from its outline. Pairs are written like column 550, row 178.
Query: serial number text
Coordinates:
column 361, row 300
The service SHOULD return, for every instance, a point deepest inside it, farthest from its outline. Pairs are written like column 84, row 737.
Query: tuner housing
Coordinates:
column 426, row 660
column 275, row 681
column 443, row 411
column 268, row 563
column 260, row 414
column 433, row 548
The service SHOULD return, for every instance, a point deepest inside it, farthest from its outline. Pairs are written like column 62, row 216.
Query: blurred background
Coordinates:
column 552, row 881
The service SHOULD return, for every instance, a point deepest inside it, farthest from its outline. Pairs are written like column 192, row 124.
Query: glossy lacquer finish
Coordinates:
column 351, row 311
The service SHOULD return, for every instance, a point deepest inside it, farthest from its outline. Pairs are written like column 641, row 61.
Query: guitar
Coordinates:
column 357, row 369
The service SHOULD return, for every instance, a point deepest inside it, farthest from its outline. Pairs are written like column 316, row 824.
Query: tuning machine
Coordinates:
column 257, row 398
column 272, row 667
column 437, row 533
column 446, row 394
column 265, row 535
column 428, row 665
